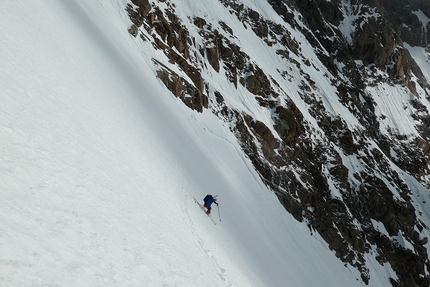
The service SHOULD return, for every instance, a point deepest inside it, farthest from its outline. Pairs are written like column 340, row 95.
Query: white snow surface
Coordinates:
column 99, row 165
column 422, row 57
column 422, row 18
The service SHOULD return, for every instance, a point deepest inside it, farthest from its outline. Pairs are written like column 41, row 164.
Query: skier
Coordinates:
column 209, row 199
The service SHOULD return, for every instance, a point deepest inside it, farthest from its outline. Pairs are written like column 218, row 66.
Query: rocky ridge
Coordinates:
column 304, row 153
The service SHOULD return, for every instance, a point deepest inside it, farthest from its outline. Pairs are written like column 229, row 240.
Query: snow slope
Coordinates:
column 422, row 58
column 99, row 166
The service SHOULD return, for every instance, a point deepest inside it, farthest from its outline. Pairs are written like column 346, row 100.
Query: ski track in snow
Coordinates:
column 185, row 207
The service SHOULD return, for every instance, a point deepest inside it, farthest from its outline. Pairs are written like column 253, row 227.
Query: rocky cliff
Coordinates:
column 335, row 155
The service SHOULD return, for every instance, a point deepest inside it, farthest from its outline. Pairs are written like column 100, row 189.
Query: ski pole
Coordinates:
column 219, row 214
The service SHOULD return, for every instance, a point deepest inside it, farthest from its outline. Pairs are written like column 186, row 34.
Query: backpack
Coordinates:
column 207, row 197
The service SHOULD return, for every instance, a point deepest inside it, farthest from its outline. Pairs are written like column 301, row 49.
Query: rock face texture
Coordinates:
column 354, row 184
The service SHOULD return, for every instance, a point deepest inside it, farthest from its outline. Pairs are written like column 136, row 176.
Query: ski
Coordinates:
column 213, row 220
column 204, row 210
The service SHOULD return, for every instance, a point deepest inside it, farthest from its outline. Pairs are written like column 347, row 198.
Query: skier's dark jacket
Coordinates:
column 209, row 199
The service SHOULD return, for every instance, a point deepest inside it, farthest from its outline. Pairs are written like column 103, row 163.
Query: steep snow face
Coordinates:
column 393, row 110
column 348, row 25
column 424, row 22
column 422, row 57
column 100, row 164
